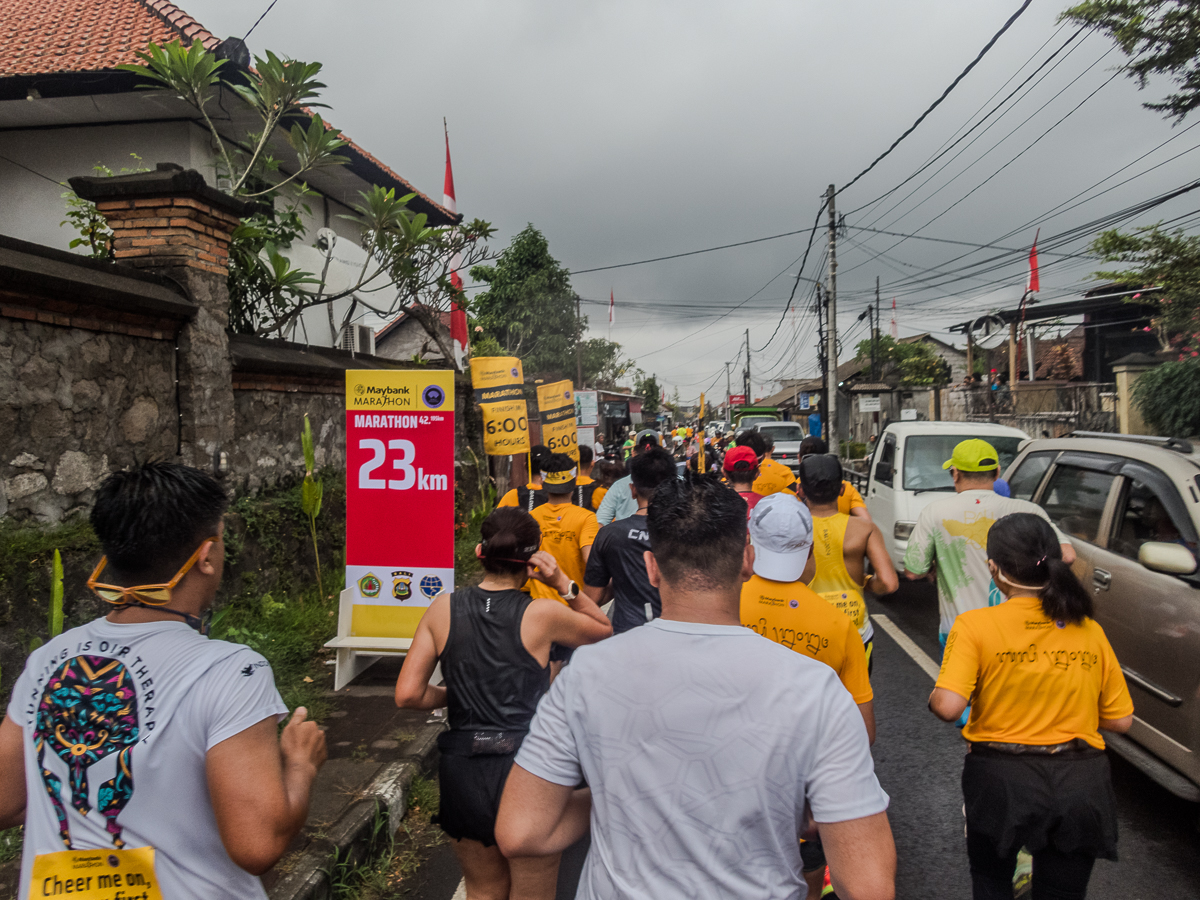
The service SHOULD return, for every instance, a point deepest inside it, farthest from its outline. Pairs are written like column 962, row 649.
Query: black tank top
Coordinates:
column 529, row 500
column 493, row 683
column 582, row 495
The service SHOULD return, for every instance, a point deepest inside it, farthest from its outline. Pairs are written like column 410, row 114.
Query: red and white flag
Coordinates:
column 458, row 315
column 1033, row 286
column 612, row 308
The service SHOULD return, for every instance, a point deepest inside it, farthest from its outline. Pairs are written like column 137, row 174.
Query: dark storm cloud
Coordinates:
column 630, row 130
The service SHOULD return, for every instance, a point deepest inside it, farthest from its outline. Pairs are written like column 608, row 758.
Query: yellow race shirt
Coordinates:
column 791, row 614
column 832, row 581
column 566, row 530
column 850, row 498
column 510, row 499
column 773, row 477
column 1031, row 680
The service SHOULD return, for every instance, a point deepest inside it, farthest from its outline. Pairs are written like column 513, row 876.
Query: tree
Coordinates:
column 529, row 311
column 647, row 387
column 407, row 264
column 1161, row 37
column 1169, row 398
column 916, row 363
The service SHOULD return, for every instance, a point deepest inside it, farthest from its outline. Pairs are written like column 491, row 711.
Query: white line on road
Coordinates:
column 461, row 892
column 920, row 657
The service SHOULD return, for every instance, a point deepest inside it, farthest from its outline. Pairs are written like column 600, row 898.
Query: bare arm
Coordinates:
column 885, row 580
column 947, row 705
column 860, row 512
column 1068, row 552
column 538, row 817
column 598, row 595
column 1120, row 726
column 413, row 690
column 862, row 857
column 868, row 713
column 12, row 783
column 259, row 786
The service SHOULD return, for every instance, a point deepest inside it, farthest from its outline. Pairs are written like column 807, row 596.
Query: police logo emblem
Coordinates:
column 402, row 585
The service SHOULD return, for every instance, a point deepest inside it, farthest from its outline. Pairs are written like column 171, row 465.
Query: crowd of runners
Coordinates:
column 678, row 663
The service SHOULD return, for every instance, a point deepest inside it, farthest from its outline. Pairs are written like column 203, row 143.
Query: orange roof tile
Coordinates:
column 42, row 37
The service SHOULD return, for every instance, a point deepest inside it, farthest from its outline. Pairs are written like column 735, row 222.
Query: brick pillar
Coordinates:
column 172, row 223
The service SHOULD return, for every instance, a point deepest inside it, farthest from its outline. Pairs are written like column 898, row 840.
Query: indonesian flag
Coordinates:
column 612, row 307
column 1033, row 285
column 458, row 315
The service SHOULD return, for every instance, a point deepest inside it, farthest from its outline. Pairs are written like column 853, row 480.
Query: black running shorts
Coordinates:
column 470, row 788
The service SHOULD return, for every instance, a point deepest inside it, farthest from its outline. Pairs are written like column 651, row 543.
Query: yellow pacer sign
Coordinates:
column 96, row 874
column 556, row 405
column 499, row 390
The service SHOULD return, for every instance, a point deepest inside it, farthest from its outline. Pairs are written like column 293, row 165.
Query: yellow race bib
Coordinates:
column 95, row 875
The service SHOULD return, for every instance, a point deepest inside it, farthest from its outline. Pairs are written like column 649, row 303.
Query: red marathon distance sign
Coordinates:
column 399, row 496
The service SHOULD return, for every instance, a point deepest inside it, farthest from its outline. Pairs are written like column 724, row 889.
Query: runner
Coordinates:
column 741, row 471
column 1042, row 680
column 702, row 745
column 841, row 545
column 567, row 530
column 607, row 474
column 493, row 642
column 585, row 485
column 616, row 568
column 777, row 604
column 530, row 496
column 850, row 501
column 136, row 740
column 627, row 447
column 773, row 476
column 954, row 532
column 618, row 502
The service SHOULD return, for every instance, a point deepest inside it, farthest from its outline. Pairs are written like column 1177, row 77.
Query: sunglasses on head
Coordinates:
column 151, row 595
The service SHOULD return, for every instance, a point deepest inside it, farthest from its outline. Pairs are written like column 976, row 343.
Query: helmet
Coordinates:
column 646, row 436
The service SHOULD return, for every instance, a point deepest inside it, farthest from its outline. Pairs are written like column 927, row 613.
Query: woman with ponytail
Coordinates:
column 493, row 642
column 1042, row 681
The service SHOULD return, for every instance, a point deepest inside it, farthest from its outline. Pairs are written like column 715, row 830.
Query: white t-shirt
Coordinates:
column 955, row 530
column 140, row 705
column 701, row 745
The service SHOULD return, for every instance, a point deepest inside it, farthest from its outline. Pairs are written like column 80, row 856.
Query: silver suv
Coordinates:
column 1131, row 507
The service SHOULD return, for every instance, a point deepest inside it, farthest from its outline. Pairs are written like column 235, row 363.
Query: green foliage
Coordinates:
column 1169, row 398
column 1161, row 37
column 311, row 490
column 83, row 216
column 11, row 840
column 648, row 388
column 916, row 364
column 1168, row 260
column 603, row 365
column 529, row 311
column 55, row 617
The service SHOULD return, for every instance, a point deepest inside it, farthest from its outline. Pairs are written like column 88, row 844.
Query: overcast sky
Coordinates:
column 629, row 130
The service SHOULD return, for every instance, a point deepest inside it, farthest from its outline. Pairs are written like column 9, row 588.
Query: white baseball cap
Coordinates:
column 781, row 532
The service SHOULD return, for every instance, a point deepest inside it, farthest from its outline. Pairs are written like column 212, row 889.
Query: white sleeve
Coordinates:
column 841, row 783
column 549, row 751
column 238, row 692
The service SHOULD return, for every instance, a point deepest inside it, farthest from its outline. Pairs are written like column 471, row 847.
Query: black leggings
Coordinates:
column 1056, row 876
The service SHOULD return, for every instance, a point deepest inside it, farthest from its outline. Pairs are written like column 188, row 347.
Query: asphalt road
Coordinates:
column 919, row 762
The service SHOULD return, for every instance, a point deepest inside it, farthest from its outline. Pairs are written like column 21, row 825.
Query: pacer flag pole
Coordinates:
column 458, row 315
column 499, row 390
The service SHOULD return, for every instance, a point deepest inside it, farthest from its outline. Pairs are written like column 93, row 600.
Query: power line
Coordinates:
column 946, row 93
column 642, row 262
column 259, row 19
column 799, row 275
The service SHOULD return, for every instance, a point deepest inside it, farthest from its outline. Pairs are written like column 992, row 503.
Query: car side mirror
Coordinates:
column 1170, row 559
column 884, row 473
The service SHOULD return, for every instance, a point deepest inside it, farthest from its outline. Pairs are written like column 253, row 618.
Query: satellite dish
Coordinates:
column 988, row 332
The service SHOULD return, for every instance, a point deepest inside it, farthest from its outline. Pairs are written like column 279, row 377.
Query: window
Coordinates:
column 1026, row 479
column 1145, row 518
column 1075, row 500
column 779, row 433
column 885, row 464
column 925, row 453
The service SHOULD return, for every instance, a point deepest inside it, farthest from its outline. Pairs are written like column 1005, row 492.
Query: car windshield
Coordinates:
column 750, row 421
column 925, row 453
column 783, row 432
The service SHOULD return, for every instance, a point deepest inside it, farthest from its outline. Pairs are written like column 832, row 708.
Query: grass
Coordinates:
column 10, row 843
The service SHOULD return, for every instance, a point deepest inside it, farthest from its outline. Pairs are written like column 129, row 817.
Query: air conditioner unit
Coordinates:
column 359, row 339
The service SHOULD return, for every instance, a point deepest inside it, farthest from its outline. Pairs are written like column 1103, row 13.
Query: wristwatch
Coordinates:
column 572, row 592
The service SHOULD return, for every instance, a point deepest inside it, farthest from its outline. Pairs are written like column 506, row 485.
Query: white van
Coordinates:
column 906, row 473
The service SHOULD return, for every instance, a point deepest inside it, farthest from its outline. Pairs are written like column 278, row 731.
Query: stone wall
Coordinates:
column 268, row 424
column 81, row 393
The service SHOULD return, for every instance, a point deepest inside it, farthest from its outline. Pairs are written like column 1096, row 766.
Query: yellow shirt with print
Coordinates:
column 1031, row 680
column 566, row 530
column 773, row 477
column 850, row 498
column 790, row 613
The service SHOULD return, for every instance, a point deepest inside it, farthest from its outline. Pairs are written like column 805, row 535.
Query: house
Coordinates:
column 65, row 108
column 406, row 338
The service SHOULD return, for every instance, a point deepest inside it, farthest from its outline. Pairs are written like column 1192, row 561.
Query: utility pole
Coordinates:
column 578, row 345
column 728, row 393
column 831, row 325
column 824, row 411
column 875, row 337
column 749, row 398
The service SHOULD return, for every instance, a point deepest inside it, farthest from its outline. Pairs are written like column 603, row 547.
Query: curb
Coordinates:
column 352, row 838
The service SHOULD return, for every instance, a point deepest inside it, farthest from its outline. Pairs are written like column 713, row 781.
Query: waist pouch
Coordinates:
column 1073, row 749
column 480, row 743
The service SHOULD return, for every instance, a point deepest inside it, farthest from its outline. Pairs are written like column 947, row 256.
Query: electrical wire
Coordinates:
column 642, row 262
column 259, row 19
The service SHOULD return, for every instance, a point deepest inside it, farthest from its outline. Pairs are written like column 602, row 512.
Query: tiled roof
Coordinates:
column 38, row 37
column 42, row 37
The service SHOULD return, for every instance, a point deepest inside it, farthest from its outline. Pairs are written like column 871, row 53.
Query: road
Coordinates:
column 919, row 762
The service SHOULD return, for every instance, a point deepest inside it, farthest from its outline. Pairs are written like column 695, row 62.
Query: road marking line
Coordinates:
column 461, row 892
column 919, row 656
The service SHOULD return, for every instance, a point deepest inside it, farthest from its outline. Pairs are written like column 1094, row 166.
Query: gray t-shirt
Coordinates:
column 117, row 719
column 618, row 503
column 701, row 744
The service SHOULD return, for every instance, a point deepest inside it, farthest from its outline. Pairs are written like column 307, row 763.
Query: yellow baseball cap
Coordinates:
column 973, row 456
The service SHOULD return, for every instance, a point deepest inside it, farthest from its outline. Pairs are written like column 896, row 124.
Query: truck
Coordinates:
column 749, row 416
